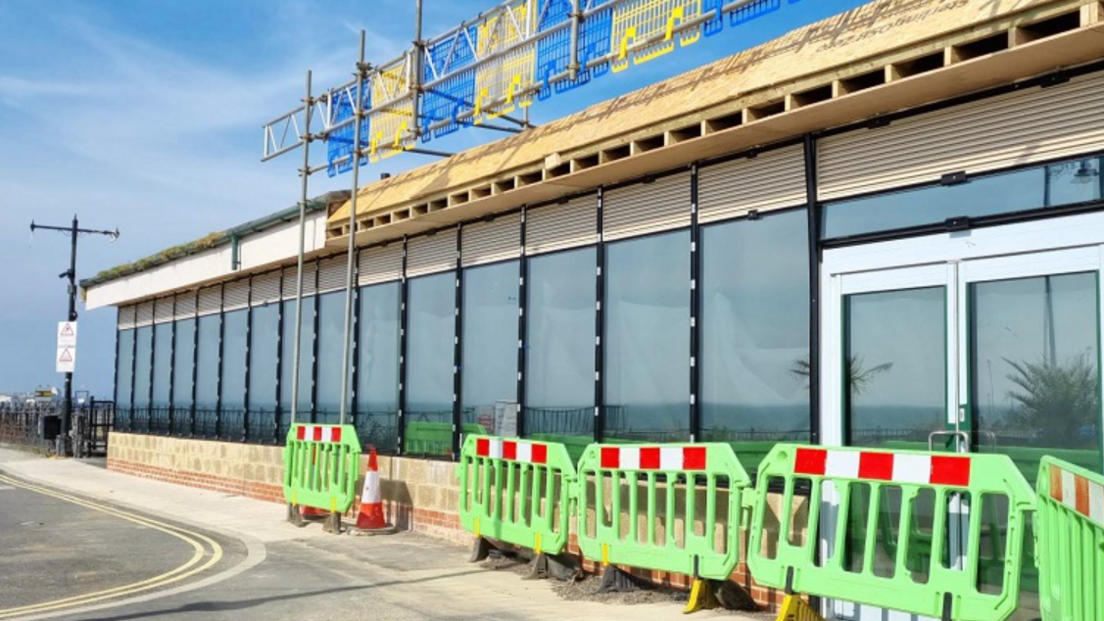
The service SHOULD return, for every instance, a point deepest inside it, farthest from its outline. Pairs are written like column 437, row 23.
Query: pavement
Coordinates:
column 252, row 565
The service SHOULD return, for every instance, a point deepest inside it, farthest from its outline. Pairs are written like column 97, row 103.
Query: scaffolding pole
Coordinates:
column 304, row 173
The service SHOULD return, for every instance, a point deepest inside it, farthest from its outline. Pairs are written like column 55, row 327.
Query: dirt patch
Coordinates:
column 586, row 590
column 500, row 562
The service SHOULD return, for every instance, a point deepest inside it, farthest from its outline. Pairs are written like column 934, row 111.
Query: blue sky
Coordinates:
column 145, row 115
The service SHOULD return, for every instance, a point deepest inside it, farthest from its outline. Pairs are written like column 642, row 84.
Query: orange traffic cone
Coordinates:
column 370, row 519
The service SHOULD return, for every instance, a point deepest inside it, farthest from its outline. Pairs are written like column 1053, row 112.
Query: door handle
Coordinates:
column 962, row 435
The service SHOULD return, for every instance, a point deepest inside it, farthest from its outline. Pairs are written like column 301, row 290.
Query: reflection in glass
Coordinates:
column 647, row 356
column 755, row 333
column 162, row 364
column 1034, row 366
column 287, row 356
column 559, row 392
column 378, row 366
column 232, row 412
column 429, row 396
column 207, row 377
column 124, row 370
column 263, row 350
column 331, row 331
column 895, row 370
column 143, row 374
column 489, row 389
column 183, row 366
column 1054, row 185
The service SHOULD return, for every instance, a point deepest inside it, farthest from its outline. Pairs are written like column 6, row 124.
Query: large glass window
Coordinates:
column 124, row 374
column 331, row 332
column 378, row 366
column 234, row 337
column 755, row 333
column 647, row 355
column 489, row 378
column 429, row 396
column 162, row 376
column 183, row 365
column 207, row 377
column 305, row 357
column 143, row 373
column 1053, row 185
column 263, row 354
column 559, row 389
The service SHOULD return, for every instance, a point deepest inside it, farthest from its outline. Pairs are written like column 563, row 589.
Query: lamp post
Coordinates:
column 73, row 231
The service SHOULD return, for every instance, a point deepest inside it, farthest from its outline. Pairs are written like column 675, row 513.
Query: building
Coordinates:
column 884, row 229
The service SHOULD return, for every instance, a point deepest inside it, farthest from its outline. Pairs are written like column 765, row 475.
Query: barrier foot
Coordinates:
column 616, row 581
column 332, row 523
column 795, row 609
column 702, row 597
column 294, row 517
column 549, row 566
column 480, row 550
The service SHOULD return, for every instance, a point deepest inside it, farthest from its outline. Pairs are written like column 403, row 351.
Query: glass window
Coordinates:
column 490, row 349
column 207, row 378
column 755, row 333
column 647, row 341
column 559, row 389
column 1053, row 185
column 143, row 374
column 162, row 364
column 234, row 332
column 429, row 394
column 124, row 370
column 378, row 366
column 306, row 349
column 183, row 365
column 263, row 353
column 331, row 332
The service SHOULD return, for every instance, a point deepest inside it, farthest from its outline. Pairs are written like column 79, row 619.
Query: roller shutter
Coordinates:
column 265, row 289
column 185, row 305
column 210, row 300
column 309, row 283
column 127, row 317
column 487, row 242
column 1023, row 127
column 432, row 253
column 561, row 226
column 771, row 180
column 236, row 295
column 163, row 310
column 380, row 264
column 331, row 273
column 145, row 314
column 646, row 208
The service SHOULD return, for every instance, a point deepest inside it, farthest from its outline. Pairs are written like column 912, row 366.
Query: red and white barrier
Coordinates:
column 524, row 452
column 653, row 458
column 882, row 466
column 318, row 433
column 1078, row 493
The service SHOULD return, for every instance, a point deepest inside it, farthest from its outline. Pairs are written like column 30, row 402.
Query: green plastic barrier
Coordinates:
column 321, row 466
column 516, row 491
column 685, row 476
column 1069, row 542
column 432, row 438
column 855, row 567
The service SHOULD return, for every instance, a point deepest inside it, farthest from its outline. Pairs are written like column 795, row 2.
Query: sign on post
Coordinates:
column 66, row 360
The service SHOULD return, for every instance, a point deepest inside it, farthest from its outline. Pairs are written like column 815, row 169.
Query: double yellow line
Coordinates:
column 200, row 545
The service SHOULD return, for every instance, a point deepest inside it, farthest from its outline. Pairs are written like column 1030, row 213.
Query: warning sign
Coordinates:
column 66, row 359
column 67, row 334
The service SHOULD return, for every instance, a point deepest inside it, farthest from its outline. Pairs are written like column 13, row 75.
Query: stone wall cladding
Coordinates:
column 419, row 495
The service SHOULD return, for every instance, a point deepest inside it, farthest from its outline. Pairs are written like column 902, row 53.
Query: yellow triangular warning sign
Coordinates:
column 66, row 356
column 67, row 330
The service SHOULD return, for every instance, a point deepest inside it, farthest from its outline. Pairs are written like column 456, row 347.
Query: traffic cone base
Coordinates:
column 370, row 519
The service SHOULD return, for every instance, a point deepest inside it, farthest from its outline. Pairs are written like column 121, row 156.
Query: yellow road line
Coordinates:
column 186, row 570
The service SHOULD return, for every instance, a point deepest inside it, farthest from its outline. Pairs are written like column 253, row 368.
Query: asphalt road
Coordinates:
column 59, row 552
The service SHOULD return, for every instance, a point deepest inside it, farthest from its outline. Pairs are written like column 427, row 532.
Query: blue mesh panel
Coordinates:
column 743, row 14
column 340, row 143
column 594, row 41
column 454, row 95
column 554, row 51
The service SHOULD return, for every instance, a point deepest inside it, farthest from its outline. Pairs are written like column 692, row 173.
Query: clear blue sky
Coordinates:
column 145, row 115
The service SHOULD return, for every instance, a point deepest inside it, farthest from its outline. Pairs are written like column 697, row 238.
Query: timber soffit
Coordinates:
column 880, row 58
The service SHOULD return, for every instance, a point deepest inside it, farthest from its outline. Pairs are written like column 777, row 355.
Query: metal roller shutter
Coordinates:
column 771, row 180
column 561, row 226
column 331, row 273
column 1028, row 126
column 127, row 316
column 647, row 207
column 236, row 295
column 265, row 289
column 210, row 300
column 185, row 305
column 309, row 285
column 487, row 242
column 145, row 314
column 163, row 310
column 433, row 253
column 380, row 264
